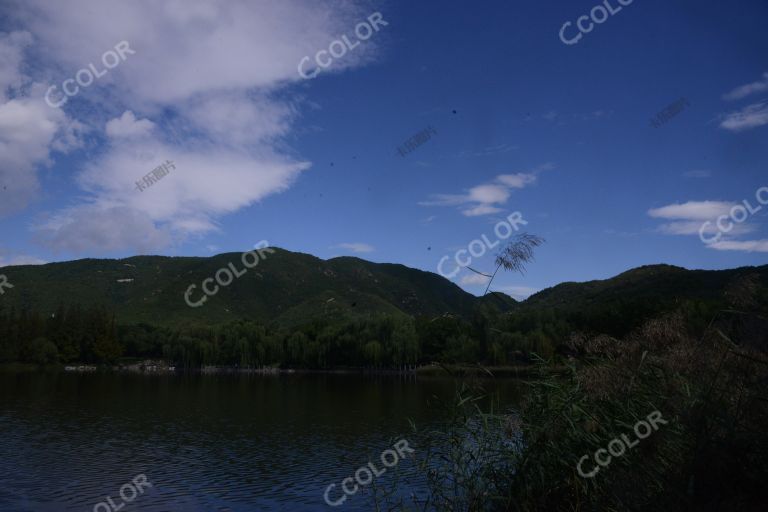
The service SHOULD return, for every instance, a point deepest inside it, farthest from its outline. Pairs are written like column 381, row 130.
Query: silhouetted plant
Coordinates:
column 515, row 255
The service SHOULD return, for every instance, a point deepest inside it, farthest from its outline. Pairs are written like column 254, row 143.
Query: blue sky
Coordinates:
column 522, row 121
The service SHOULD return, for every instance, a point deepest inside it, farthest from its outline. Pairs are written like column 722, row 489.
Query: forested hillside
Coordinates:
column 295, row 310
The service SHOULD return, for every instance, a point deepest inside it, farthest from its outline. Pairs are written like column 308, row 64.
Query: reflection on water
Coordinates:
column 205, row 442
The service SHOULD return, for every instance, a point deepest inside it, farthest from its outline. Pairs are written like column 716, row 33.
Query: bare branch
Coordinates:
column 478, row 272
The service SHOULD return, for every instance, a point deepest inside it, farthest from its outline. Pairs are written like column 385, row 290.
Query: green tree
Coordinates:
column 40, row 351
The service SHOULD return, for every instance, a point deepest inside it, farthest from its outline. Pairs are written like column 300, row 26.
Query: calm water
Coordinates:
column 205, row 442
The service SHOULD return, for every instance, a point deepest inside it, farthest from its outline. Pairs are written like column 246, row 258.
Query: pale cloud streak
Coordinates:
column 695, row 218
column 752, row 116
column 741, row 245
column 518, row 292
column 473, row 280
column 356, row 247
column 747, row 90
column 701, row 218
column 692, row 210
column 487, row 198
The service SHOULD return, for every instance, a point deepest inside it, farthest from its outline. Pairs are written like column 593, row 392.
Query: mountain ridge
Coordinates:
column 293, row 287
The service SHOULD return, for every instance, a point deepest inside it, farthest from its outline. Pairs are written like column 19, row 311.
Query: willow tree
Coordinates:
column 514, row 256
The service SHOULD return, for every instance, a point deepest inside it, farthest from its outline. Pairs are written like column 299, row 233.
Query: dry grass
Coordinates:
column 712, row 455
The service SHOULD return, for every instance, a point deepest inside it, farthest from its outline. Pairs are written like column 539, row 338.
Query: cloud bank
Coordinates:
column 203, row 90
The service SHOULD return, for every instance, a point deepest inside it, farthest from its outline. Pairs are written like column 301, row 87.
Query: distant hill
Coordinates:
column 650, row 282
column 616, row 306
column 285, row 287
column 290, row 288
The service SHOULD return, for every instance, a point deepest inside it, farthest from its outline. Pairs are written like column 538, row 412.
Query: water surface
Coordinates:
column 205, row 442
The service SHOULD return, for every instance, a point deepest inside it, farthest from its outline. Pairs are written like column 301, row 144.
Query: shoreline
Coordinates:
column 430, row 370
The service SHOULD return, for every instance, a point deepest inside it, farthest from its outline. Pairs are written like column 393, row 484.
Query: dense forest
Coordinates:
column 92, row 335
column 303, row 312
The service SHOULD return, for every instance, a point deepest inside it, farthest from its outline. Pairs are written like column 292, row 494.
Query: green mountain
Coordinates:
column 618, row 305
column 284, row 287
column 289, row 288
column 298, row 311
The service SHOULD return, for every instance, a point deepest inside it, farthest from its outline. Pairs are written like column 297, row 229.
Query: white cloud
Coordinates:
column 190, row 47
column 700, row 218
column 740, row 245
column 519, row 180
column 693, row 210
column 11, row 56
column 689, row 227
column 694, row 227
column 239, row 119
column 488, row 194
column 752, row 116
column 128, row 126
column 356, row 247
column 29, row 129
column 483, row 209
column 748, row 89
column 204, row 82
column 473, row 280
column 691, row 217
column 486, row 199
column 84, row 229
column 518, row 292
column 206, row 183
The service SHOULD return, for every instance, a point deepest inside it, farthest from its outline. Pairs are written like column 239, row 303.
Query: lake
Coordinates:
column 224, row 442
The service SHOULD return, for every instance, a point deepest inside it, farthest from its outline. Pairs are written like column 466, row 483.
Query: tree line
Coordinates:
column 78, row 334
column 92, row 335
